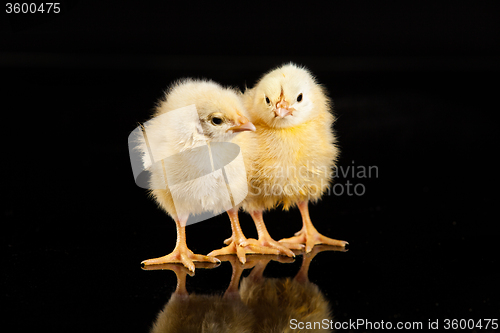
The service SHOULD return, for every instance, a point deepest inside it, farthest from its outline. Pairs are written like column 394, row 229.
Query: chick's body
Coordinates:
column 292, row 152
column 289, row 165
column 177, row 149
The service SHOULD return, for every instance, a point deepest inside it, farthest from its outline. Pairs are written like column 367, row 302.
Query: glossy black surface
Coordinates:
column 423, row 236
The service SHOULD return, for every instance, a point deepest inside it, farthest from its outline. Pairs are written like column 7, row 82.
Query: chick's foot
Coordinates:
column 242, row 246
column 181, row 255
column 308, row 235
column 311, row 237
column 284, row 249
column 267, row 241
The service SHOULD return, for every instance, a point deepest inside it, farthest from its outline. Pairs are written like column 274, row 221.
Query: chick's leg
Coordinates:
column 308, row 235
column 239, row 244
column 181, row 253
column 266, row 240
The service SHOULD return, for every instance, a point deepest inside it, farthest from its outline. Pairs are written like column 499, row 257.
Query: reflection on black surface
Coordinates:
column 190, row 312
column 259, row 304
column 277, row 301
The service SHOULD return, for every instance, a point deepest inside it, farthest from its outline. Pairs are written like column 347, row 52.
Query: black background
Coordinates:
column 415, row 91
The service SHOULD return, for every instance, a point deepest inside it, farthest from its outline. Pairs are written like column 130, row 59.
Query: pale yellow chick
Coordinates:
column 292, row 152
column 193, row 116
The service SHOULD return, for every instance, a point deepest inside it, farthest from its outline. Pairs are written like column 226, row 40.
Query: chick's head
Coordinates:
column 285, row 97
column 223, row 118
column 220, row 109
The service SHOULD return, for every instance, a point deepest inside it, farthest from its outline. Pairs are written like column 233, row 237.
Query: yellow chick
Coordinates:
column 177, row 148
column 292, row 152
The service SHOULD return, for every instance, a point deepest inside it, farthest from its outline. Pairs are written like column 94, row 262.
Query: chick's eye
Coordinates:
column 216, row 120
column 299, row 98
column 267, row 100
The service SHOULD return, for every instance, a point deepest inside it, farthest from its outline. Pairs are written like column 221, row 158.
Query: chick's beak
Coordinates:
column 244, row 125
column 282, row 109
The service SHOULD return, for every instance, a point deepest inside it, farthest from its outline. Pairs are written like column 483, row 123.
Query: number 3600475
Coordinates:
column 25, row 8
